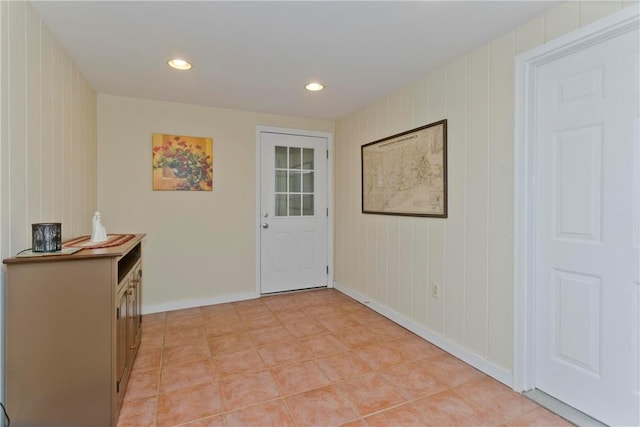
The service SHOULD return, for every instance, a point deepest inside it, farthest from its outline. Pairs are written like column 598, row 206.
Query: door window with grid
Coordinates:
column 294, row 181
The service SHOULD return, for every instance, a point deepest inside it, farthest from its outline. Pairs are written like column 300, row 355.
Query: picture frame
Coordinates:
column 182, row 163
column 406, row 174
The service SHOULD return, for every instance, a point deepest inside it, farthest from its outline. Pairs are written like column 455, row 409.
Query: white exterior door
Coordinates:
column 587, row 274
column 293, row 212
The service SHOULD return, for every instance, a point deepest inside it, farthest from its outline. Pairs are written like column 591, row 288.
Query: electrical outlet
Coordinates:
column 435, row 290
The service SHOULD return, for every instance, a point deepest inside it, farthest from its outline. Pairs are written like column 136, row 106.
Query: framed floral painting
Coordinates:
column 182, row 163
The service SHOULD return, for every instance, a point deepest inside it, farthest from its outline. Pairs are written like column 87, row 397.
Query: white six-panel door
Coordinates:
column 293, row 212
column 587, row 230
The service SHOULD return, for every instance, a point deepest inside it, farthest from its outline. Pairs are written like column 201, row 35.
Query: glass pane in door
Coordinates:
column 307, row 182
column 281, row 181
column 307, row 158
column 281, row 205
column 281, row 157
column 294, row 157
column 307, row 204
column 294, row 181
column 294, row 204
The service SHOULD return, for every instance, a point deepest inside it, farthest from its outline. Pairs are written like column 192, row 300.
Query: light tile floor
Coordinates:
column 313, row 358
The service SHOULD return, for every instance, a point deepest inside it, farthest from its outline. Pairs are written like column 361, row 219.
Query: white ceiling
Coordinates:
column 257, row 56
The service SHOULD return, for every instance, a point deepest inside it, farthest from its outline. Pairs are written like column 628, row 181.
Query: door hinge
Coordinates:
column 117, row 312
column 117, row 386
column 327, row 269
column 327, row 154
column 327, row 211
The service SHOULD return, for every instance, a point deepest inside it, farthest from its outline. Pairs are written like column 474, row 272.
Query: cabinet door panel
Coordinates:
column 138, row 305
column 132, row 314
column 121, row 337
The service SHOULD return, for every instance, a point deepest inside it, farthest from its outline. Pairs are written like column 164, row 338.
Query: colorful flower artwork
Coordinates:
column 182, row 163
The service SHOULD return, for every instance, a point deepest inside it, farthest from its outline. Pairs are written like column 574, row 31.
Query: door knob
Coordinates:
column 265, row 225
column 265, row 214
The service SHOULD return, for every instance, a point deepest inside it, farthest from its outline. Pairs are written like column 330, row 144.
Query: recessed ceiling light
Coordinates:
column 314, row 86
column 179, row 64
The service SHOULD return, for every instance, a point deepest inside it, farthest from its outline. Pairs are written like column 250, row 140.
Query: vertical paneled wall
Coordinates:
column 47, row 136
column 395, row 261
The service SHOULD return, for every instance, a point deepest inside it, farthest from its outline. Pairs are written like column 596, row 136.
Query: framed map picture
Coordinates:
column 406, row 174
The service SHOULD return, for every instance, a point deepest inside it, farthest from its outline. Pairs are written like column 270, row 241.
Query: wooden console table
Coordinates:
column 73, row 332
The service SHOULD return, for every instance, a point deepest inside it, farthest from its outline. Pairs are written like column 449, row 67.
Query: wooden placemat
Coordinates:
column 86, row 243
column 64, row 251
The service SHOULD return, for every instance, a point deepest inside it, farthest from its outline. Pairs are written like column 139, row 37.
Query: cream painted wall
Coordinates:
column 47, row 136
column 393, row 261
column 200, row 247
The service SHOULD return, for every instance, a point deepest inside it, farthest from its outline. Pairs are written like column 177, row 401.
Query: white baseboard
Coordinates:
column 190, row 303
column 499, row 373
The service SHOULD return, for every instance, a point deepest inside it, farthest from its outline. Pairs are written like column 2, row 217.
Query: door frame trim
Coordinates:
column 525, row 177
column 258, row 171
